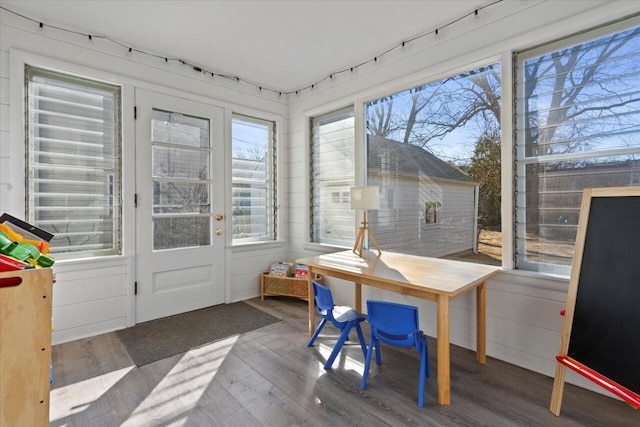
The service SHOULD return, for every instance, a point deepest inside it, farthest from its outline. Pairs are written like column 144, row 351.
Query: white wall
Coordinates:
column 96, row 296
column 523, row 321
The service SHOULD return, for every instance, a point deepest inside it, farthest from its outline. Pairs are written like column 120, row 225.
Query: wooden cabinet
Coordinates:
column 285, row 286
column 25, row 347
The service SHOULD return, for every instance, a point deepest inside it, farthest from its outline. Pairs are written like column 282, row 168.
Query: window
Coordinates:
column 253, row 169
column 434, row 152
column 73, row 162
column 181, row 180
column 578, row 127
column 332, row 174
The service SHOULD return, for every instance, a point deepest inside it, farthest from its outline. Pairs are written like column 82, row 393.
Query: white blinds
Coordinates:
column 332, row 174
column 253, row 179
column 73, row 162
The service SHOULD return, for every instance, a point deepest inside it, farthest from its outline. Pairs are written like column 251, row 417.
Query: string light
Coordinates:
column 475, row 15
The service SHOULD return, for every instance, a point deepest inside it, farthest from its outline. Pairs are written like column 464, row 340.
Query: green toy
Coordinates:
column 23, row 252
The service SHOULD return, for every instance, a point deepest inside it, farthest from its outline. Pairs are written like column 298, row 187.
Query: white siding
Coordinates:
column 400, row 226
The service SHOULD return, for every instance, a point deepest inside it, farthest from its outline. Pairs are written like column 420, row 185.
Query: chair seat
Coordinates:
column 346, row 314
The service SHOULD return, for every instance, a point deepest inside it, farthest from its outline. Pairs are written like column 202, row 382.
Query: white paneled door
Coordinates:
column 180, row 205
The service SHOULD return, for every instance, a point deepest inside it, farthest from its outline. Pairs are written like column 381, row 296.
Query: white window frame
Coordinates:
column 272, row 184
column 115, row 183
column 520, row 162
column 13, row 196
column 335, row 111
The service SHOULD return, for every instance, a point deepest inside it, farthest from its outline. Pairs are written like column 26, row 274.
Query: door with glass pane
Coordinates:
column 179, row 214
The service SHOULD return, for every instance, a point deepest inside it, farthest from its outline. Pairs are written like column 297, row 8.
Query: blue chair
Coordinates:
column 397, row 325
column 343, row 318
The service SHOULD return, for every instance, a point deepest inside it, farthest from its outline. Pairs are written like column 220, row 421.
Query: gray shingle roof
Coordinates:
column 411, row 160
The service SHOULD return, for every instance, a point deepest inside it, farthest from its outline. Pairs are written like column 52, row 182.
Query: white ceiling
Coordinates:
column 281, row 45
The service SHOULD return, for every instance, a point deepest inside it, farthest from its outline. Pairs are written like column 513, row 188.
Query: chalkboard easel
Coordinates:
column 600, row 338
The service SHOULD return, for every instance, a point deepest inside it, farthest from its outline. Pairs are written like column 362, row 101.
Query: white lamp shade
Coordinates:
column 365, row 198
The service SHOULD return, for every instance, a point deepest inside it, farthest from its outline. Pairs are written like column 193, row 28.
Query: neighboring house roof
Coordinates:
column 412, row 160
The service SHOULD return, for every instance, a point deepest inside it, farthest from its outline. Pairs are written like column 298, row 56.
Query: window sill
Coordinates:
column 534, row 279
column 89, row 263
column 251, row 246
column 324, row 248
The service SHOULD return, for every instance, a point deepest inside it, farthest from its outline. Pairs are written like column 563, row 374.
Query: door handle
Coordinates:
column 219, row 232
column 219, row 217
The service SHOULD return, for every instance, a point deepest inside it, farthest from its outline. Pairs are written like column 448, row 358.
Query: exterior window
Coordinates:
column 578, row 113
column 253, row 169
column 73, row 162
column 331, row 176
column 434, row 153
column 431, row 212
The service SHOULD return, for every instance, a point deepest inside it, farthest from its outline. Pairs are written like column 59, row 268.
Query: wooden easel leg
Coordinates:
column 558, row 389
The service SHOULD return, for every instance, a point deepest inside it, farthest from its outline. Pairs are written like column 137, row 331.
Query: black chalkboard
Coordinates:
column 601, row 334
column 605, row 334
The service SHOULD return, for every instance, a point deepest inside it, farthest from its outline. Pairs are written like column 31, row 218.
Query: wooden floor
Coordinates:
column 269, row 377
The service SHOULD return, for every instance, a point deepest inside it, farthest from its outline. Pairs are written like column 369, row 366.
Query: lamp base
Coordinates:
column 358, row 248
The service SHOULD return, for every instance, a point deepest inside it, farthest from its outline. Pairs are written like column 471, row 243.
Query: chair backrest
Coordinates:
column 392, row 323
column 324, row 299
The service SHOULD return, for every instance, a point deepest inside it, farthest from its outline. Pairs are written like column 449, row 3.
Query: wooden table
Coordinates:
column 434, row 279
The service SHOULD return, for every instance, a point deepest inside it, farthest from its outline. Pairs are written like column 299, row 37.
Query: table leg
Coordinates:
column 444, row 360
column 481, row 323
column 311, row 300
column 358, row 297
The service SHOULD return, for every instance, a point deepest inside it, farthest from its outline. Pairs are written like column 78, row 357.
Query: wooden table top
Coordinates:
column 434, row 275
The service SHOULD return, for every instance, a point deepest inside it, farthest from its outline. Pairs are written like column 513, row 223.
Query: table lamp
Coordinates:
column 364, row 198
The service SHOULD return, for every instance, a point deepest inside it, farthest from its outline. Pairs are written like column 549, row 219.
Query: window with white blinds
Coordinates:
column 73, row 178
column 332, row 174
column 253, row 169
column 578, row 126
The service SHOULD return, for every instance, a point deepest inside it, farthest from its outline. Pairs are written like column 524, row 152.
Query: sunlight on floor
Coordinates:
column 342, row 361
column 184, row 384
column 97, row 385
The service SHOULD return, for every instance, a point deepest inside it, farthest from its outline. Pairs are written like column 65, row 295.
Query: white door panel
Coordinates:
column 180, row 191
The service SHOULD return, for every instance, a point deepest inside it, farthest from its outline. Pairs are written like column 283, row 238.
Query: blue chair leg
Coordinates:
column 426, row 358
column 423, row 368
column 378, row 355
column 336, row 349
column 363, row 344
column 367, row 364
column 317, row 332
